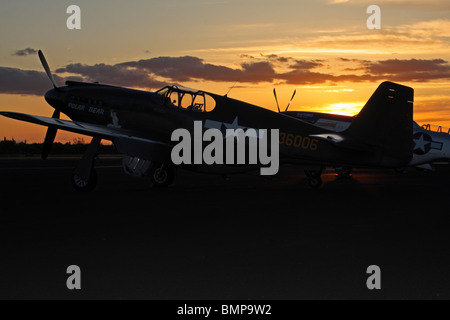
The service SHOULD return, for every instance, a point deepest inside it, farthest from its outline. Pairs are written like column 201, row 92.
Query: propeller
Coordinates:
column 276, row 99
column 50, row 137
column 51, row 132
column 287, row 108
column 47, row 68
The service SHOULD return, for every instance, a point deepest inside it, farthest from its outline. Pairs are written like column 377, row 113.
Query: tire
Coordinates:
column 313, row 174
column 162, row 176
column 315, row 183
column 344, row 172
column 85, row 186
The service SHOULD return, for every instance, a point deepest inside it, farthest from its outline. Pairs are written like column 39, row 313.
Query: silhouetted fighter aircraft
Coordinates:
column 140, row 125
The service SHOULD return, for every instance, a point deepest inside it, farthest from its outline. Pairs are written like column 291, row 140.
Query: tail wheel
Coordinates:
column 314, row 178
column 85, row 186
column 344, row 171
column 313, row 173
column 162, row 176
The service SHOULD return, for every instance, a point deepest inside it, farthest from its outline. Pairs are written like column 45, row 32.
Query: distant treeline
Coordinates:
column 77, row 146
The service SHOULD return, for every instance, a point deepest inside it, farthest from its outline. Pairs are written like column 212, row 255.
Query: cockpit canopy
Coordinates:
column 186, row 99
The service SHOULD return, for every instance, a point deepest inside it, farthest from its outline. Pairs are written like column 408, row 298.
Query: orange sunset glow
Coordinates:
column 321, row 48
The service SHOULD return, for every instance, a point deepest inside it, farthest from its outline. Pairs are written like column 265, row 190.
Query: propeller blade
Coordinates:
column 276, row 99
column 287, row 108
column 50, row 137
column 47, row 68
column 56, row 114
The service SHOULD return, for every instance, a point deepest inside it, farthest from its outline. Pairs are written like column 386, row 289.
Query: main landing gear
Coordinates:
column 83, row 185
column 314, row 178
column 84, row 177
column 161, row 175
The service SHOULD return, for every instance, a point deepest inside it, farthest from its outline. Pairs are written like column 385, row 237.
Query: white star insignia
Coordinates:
column 421, row 143
column 233, row 126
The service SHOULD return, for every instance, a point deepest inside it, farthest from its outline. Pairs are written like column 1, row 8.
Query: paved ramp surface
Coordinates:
column 209, row 238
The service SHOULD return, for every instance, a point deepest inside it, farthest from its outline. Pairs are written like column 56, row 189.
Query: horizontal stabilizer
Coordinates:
column 342, row 142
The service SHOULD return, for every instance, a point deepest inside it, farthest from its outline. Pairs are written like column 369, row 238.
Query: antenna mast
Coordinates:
column 234, row 85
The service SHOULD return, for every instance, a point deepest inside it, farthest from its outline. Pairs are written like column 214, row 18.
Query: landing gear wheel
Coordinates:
column 162, row 176
column 82, row 185
column 315, row 182
column 314, row 178
column 344, row 172
column 313, row 173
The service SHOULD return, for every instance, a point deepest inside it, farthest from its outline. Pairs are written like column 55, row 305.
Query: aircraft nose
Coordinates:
column 53, row 98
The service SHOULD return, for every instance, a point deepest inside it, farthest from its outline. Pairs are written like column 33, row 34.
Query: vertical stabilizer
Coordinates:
column 386, row 124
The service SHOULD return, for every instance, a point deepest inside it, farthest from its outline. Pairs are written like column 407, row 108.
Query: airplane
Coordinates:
column 430, row 146
column 140, row 125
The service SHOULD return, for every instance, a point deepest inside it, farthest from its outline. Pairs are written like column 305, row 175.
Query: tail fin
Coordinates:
column 386, row 124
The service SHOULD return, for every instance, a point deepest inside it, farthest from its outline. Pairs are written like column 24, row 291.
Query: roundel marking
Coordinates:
column 423, row 143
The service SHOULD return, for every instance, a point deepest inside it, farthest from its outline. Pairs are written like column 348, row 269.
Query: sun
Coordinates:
column 345, row 109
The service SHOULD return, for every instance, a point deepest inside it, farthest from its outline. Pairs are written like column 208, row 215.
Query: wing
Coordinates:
column 88, row 129
column 126, row 141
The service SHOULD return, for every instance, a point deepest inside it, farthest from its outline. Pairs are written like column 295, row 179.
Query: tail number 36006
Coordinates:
column 291, row 140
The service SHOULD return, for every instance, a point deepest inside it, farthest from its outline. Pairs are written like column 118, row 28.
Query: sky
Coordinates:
column 321, row 48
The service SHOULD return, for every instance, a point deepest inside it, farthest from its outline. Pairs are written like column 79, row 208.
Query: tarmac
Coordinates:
column 206, row 237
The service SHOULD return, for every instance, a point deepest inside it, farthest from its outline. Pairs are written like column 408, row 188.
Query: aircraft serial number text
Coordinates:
column 291, row 140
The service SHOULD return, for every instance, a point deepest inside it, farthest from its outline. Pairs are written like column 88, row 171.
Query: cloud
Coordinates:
column 155, row 73
column 410, row 70
column 425, row 29
column 25, row 52
column 387, row 41
column 183, row 69
column 112, row 74
column 26, row 82
column 263, row 69
column 305, row 64
column 188, row 68
column 396, row 66
column 432, row 110
column 429, row 4
column 337, row 1
column 416, row 39
column 412, row 40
